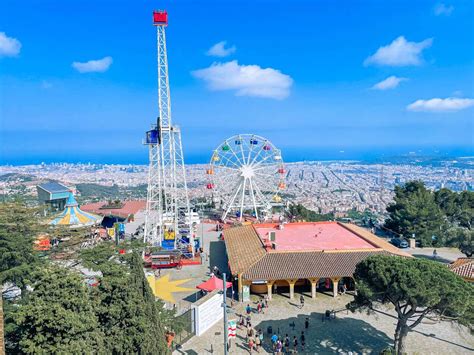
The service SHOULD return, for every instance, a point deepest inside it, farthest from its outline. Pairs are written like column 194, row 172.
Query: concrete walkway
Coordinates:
column 445, row 255
column 349, row 333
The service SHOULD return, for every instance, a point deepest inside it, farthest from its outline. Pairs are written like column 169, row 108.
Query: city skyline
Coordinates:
column 319, row 82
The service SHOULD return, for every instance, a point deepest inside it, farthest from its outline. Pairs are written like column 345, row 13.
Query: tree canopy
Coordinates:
column 415, row 211
column 57, row 312
column 437, row 218
column 57, row 316
column 18, row 229
column 416, row 288
column 129, row 316
column 299, row 212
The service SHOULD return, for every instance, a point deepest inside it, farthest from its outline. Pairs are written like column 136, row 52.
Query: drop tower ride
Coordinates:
column 168, row 217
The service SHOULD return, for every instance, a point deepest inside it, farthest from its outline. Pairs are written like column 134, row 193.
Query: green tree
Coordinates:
column 57, row 316
column 417, row 288
column 299, row 212
column 459, row 211
column 129, row 316
column 18, row 229
column 415, row 211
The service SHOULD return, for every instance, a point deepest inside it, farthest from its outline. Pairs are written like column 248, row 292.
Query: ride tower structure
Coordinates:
column 168, row 215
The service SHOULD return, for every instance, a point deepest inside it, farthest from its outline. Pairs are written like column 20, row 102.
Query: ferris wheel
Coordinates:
column 247, row 174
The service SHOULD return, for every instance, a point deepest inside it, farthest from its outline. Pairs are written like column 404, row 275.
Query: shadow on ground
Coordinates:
column 329, row 337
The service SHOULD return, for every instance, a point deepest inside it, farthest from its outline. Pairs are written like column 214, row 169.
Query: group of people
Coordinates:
column 287, row 344
column 280, row 345
column 253, row 337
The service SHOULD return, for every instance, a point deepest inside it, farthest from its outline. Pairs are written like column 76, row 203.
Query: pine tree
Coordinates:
column 57, row 316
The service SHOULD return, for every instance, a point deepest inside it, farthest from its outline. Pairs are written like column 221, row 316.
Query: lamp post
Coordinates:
column 224, row 306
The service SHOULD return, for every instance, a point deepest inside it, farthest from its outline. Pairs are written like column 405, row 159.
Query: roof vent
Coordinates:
column 272, row 236
column 274, row 246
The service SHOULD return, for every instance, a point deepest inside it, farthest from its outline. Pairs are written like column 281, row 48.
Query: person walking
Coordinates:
column 266, row 301
column 259, row 308
column 295, row 344
column 286, row 344
column 306, row 323
column 248, row 309
column 274, row 341
column 262, row 306
column 251, row 345
column 260, row 336
column 279, row 347
column 301, row 301
column 303, row 341
column 241, row 321
column 258, row 343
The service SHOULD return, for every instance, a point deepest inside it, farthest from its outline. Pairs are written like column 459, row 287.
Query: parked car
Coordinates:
column 399, row 243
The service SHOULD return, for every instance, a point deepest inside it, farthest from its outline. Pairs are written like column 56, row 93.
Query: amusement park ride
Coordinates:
column 168, row 219
column 247, row 174
column 246, row 171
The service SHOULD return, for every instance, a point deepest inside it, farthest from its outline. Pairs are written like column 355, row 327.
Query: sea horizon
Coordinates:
column 291, row 155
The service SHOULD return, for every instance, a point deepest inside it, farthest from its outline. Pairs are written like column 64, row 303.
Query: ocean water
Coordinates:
column 290, row 154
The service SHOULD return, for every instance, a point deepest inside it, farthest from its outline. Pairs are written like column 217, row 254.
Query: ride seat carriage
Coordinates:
column 165, row 259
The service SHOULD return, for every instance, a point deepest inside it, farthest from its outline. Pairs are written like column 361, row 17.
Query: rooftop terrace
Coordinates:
column 313, row 236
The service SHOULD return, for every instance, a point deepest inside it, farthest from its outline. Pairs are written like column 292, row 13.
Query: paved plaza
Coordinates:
column 349, row 333
column 358, row 333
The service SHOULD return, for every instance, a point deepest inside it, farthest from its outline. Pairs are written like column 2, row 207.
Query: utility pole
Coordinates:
column 2, row 329
column 224, row 305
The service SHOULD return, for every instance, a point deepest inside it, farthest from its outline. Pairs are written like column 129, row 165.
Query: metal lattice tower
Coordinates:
column 168, row 216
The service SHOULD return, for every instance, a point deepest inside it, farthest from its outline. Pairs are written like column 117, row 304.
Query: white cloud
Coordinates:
column 449, row 104
column 400, row 53
column 100, row 65
column 246, row 80
column 390, row 83
column 219, row 50
column 9, row 46
column 442, row 9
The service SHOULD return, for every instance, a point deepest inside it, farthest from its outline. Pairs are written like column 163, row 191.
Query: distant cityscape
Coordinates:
column 325, row 187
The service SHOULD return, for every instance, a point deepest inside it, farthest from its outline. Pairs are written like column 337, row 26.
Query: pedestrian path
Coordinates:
column 356, row 333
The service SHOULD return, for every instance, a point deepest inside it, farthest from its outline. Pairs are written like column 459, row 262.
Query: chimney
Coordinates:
column 272, row 236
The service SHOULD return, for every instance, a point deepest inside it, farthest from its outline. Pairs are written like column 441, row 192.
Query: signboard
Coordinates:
column 207, row 312
column 169, row 235
column 245, row 293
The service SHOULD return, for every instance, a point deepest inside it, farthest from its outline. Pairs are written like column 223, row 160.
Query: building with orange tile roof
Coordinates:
column 463, row 267
column 264, row 255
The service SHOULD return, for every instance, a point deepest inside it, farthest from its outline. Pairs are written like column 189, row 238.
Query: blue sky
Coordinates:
column 320, row 79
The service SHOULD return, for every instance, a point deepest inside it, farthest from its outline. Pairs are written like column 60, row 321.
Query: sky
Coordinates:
column 319, row 79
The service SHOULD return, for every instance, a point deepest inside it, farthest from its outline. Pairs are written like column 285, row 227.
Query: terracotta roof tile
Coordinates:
column 247, row 255
column 295, row 265
column 244, row 248
column 463, row 267
column 373, row 239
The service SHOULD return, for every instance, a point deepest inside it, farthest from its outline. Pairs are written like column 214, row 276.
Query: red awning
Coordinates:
column 212, row 284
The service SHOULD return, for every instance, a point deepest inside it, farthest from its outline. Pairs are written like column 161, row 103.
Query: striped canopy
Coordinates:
column 73, row 216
